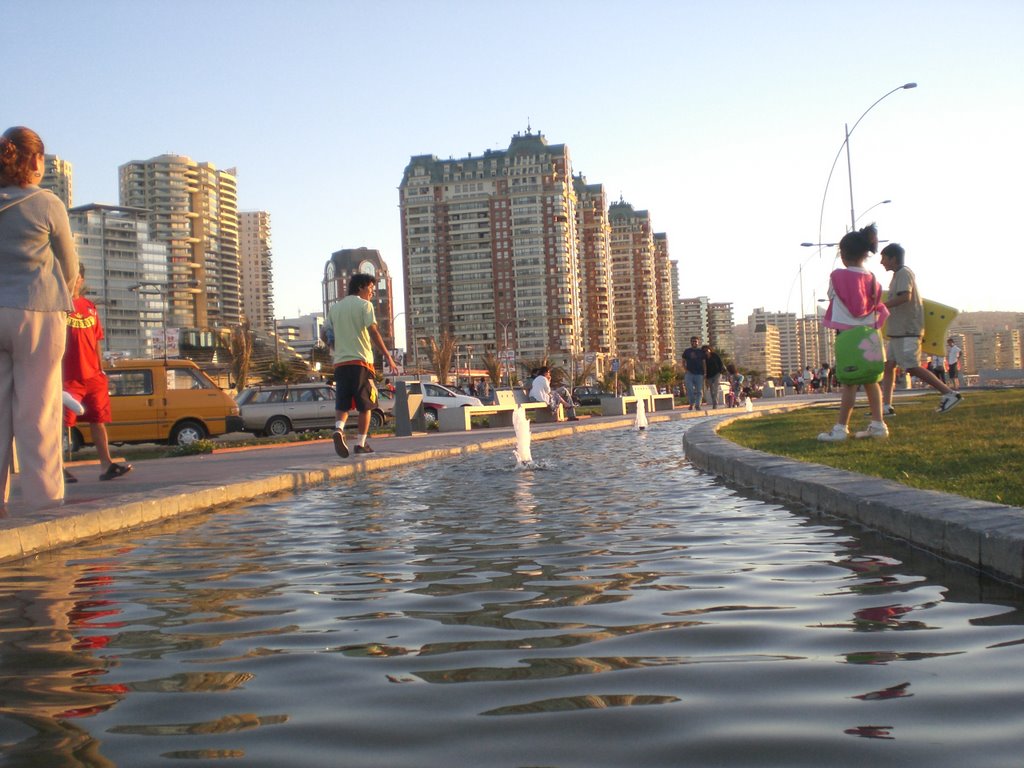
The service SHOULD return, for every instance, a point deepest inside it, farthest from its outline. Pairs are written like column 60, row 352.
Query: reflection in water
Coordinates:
column 376, row 625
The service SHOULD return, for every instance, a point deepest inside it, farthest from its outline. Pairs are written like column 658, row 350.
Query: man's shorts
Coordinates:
column 94, row 396
column 354, row 388
column 905, row 351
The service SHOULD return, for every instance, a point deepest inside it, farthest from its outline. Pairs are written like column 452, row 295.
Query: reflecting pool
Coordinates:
column 614, row 608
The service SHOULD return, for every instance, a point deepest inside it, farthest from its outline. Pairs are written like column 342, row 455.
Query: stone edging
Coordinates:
column 982, row 534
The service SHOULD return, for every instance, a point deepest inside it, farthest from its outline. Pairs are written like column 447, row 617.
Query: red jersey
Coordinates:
column 82, row 352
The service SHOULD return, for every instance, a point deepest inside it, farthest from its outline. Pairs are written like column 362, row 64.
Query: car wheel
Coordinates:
column 277, row 426
column 430, row 415
column 73, row 440
column 376, row 420
column 187, row 432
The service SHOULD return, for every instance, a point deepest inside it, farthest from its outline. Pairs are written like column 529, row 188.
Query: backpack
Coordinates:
column 860, row 356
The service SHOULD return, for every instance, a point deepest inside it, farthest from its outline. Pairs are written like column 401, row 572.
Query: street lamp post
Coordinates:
column 504, row 329
column 849, row 166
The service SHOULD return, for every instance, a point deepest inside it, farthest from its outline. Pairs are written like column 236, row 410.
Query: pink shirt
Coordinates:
column 855, row 299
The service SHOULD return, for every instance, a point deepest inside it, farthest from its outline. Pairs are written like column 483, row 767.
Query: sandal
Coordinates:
column 116, row 470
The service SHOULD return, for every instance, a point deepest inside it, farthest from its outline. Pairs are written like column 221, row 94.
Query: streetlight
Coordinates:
column 849, row 168
column 866, row 210
column 504, row 329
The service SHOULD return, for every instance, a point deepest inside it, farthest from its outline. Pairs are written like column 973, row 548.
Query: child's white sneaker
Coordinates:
column 875, row 429
column 836, row 435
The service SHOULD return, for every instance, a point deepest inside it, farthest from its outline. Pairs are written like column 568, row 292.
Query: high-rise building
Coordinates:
column 666, row 310
column 765, row 350
column 57, row 179
column 720, row 323
column 594, row 233
column 790, row 348
column 489, row 250
column 193, row 209
column 347, row 262
column 256, row 269
column 125, row 273
column 634, row 283
column 693, row 319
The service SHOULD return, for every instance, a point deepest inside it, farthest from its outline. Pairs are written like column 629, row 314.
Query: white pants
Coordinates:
column 31, row 348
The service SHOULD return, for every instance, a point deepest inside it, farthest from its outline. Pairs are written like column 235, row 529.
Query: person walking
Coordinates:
column 38, row 261
column 715, row 369
column 351, row 329
column 953, row 355
column 85, row 380
column 855, row 299
column 696, row 362
column 904, row 331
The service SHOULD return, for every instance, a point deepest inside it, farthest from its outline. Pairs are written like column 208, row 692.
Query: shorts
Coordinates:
column 905, row 351
column 953, row 370
column 94, row 396
column 354, row 388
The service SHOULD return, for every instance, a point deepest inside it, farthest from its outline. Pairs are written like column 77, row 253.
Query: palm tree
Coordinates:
column 241, row 354
column 493, row 368
column 440, row 355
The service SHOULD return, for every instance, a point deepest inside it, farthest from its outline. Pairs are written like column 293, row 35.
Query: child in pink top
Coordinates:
column 855, row 299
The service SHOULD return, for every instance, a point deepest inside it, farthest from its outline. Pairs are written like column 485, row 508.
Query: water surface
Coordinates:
column 618, row 608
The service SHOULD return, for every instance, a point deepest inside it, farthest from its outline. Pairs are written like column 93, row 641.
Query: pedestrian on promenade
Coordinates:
column 855, row 299
column 85, row 380
column 953, row 355
column 541, row 392
column 904, row 332
column 351, row 329
column 696, row 362
column 715, row 368
column 38, row 261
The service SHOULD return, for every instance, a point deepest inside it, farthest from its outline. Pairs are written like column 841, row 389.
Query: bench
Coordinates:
column 653, row 400
column 770, row 390
column 618, row 406
column 498, row 414
column 542, row 410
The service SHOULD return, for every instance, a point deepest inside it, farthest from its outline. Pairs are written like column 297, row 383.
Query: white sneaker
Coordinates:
column 888, row 410
column 837, row 435
column 949, row 401
column 875, row 429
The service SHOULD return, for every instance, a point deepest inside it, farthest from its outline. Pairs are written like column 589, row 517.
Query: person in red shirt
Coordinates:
column 85, row 381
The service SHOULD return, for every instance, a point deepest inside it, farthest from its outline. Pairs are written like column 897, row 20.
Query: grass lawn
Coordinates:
column 975, row 450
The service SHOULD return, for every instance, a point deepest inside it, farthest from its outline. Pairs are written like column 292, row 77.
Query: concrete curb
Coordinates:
column 984, row 535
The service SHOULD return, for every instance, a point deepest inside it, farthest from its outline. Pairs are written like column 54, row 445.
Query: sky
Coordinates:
column 722, row 118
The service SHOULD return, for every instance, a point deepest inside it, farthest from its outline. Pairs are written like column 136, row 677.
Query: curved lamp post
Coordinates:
column 849, row 168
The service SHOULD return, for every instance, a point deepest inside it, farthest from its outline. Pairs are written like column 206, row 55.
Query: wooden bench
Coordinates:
column 771, row 390
column 618, row 406
column 653, row 400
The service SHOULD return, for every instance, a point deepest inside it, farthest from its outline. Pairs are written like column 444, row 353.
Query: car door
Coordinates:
column 301, row 407
column 138, row 412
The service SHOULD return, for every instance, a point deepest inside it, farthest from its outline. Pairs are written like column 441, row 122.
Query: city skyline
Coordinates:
column 720, row 119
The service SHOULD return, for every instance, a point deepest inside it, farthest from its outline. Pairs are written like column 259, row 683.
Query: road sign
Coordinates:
column 615, row 365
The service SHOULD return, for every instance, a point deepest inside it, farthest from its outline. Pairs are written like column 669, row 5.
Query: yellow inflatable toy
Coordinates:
column 937, row 318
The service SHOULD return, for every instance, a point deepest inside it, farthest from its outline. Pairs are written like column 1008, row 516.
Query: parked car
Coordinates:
column 590, row 395
column 277, row 409
column 437, row 396
column 167, row 401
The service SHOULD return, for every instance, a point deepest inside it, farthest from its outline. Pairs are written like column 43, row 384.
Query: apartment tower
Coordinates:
column 594, row 234
column 193, row 209
column 489, row 250
column 634, row 284
column 256, row 272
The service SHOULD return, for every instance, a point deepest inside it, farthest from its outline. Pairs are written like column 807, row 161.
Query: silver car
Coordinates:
column 278, row 409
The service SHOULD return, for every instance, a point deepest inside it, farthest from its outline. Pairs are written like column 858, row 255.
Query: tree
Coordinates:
column 241, row 353
column 440, row 355
column 493, row 367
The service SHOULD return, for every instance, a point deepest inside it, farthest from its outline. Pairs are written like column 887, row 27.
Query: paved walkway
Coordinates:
column 985, row 535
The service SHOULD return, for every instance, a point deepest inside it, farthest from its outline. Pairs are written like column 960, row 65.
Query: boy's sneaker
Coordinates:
column 888, row 410
column 836, row 435
column 340, row 446
column 949, row 401
column 875, row 429
column 364, row 449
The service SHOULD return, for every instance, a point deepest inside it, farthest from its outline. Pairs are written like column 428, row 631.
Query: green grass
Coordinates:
column 975, row 450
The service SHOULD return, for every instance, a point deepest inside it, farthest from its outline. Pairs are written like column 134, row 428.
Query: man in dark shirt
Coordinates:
column 715, row 367
column 696, row 362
